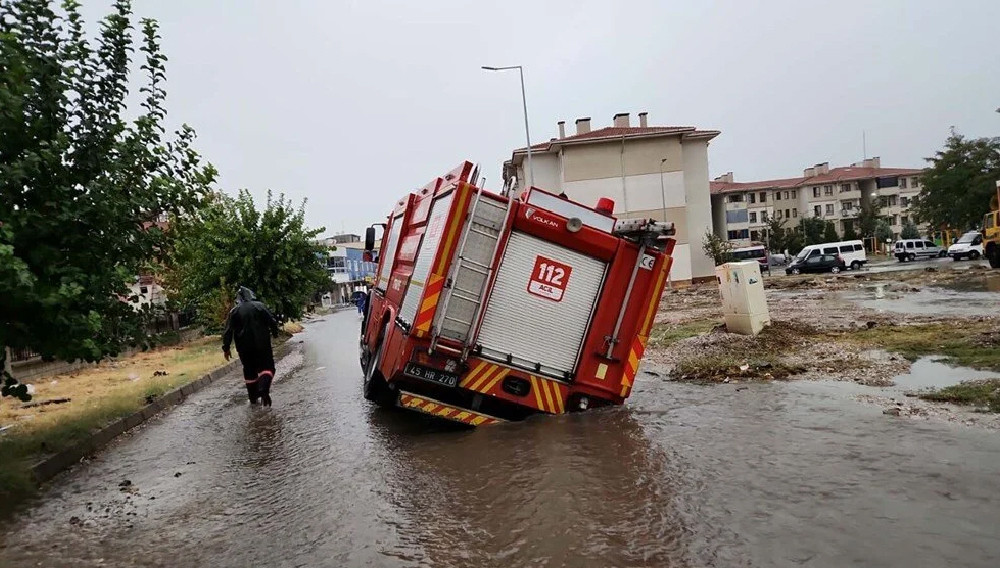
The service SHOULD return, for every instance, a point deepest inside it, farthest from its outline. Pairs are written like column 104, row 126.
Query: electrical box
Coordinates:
column 744, row 305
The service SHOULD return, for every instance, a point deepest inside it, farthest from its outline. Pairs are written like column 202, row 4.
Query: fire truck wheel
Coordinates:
column 375, row 388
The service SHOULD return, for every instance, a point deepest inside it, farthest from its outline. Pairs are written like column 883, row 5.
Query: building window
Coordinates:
column 753, row 217
column 904, row 201
column 741, row 234
column 736, row 198
column 904, row 219
column 777, row 214
column 845, row 187
column 818, row 211
column 763, row 216
column 816, row 191
column 777, row 196
column 827, row 190
column 793, row 194
column 754, row 235
column 143, row 290
column 893, row 201
column 752, row 197
column 895, row 220
column 786, row 195
column 795, row 212
column 763, row 197
column 787, row 216
column 902, row 183
column 829, row 209
column 913, row 182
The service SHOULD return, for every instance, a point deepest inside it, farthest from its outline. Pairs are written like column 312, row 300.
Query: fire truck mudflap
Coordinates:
column 490, row 309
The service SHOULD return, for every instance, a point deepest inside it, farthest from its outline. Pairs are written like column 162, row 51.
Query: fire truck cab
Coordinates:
column 488, row 308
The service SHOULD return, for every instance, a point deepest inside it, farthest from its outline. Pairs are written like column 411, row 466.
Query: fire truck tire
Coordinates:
column 375, row 388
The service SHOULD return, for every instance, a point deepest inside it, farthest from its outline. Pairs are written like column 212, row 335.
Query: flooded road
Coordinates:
column 784, row 474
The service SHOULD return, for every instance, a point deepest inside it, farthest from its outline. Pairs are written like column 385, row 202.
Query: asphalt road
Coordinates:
column 783, row 474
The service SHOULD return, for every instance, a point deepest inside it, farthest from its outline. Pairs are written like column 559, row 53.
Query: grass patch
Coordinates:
column 99, row 395
column 719, row 368
column 984, row 393
column 665, row 335
column 971, row 344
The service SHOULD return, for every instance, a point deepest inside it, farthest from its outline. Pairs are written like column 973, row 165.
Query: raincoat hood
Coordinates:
column 245, row 295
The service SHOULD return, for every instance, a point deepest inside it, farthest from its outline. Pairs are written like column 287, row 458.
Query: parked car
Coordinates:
column 969, row 245
column 908, row 250
column 851, row 252
column 817, row 263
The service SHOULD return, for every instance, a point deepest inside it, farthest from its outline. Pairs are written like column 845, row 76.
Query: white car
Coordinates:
column 912, row 249
column 969, row 245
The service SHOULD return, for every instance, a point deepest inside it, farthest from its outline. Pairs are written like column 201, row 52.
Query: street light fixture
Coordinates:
column 524, row 102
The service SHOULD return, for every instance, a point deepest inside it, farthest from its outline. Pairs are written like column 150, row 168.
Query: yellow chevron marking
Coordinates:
column 445, row 411
column 456, row 222
column 477, row 420
column 471, row 376
column 548, row 396
column 484, row 377
column 430, row 302
column 633, row 361
column 462, row 415
column 624, row 388
column 429, row 407
column 559, row 399
column 495, row 380
column 534, row 388
column 602, row 371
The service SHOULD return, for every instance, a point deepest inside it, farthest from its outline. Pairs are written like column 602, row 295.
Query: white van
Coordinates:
column 851, row 252
column 912, row 249
column 970, row 246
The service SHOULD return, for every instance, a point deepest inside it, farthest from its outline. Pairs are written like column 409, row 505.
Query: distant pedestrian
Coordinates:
column 249, row 325
column 360, row 299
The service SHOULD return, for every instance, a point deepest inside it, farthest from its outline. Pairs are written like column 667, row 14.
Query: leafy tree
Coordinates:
column 716, row 247
column 883, row 231
column 960, row 183
column 812, row 230
column 849, row 233
column 909, row 231
column 794, row 242
column 830, row 232
column 81, row 187
column 230, row 243
column 868, row 217
column 777, row 235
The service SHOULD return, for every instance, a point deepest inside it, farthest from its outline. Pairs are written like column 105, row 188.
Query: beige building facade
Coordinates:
column 742, row 210
column 659, row 172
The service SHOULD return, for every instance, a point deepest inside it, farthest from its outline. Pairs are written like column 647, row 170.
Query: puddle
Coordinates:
column 957, row 299
column 988, row 284
column 929, row 372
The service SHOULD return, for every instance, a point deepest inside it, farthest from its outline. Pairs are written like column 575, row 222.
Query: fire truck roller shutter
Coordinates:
column 536, row 323
column 436, row 221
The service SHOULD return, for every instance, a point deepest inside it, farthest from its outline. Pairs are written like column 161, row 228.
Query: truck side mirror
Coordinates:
column 370, row 239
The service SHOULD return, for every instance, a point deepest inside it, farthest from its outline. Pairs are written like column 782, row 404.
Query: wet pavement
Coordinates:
column 781, row 474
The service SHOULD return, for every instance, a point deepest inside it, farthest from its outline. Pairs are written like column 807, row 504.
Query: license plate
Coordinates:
column 433, row 375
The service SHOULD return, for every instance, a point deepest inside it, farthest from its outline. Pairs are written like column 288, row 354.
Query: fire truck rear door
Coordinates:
column 541, row 305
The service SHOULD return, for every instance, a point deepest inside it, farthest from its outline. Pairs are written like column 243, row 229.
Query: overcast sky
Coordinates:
column 353, row 103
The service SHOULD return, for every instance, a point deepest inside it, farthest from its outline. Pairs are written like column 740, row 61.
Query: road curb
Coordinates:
column 52, row 465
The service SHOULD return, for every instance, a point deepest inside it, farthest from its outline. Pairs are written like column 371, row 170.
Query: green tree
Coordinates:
column 868, row 217
column 849, row 233
column 794, row 242
column 812, row 230
column 81, row 186
column 830, row 232
column 231, row 243
column 909, row 231
column 957, row 188
column 883, row 231
column 716, row 247
column 777, row 235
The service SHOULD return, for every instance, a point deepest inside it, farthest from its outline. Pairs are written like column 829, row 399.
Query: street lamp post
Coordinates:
column 663, row 192
column 524, row 103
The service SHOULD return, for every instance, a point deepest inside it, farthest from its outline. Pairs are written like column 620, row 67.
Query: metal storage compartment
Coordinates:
column 744, row 304
column 540, row 327
column 436, row 219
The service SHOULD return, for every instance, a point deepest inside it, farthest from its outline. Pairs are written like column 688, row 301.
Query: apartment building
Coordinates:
column 741, row 210
column 659, row 172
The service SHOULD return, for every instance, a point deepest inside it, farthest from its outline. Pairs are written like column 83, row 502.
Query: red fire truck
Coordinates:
column 488, row 308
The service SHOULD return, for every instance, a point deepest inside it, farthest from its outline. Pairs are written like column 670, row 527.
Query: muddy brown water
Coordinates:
column 784, row 474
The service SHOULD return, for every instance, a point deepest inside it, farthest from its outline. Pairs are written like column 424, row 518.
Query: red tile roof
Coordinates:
column 612, row 132
column 835, row 175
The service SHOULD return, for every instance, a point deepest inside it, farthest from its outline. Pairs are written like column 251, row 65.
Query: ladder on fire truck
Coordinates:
column 468, row 280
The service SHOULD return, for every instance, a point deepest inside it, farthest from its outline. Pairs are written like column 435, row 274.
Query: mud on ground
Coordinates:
column 815, row 334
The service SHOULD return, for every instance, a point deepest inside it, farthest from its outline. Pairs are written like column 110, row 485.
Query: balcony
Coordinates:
column 849, row 213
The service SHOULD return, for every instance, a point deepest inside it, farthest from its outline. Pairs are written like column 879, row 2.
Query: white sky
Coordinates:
column 353, row 103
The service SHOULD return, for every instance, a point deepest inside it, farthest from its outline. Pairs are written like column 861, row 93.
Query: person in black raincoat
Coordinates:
column 249, row 325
